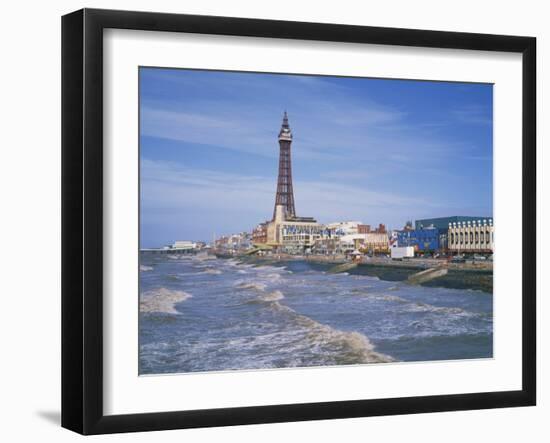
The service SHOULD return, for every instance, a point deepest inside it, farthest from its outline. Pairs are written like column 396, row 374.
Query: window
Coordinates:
column 452, row 238
column 461, row 238
column 477, row 237
column 471, row 237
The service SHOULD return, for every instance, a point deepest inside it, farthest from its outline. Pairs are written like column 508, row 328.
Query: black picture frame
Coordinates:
column 82, row 218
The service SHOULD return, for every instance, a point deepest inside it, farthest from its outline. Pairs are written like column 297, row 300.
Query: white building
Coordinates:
column 184, row 245
column 471, row 236
column 296, row 234
column 344, row 227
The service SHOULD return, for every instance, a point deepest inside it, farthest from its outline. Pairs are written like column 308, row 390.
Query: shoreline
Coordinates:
column 474, row 276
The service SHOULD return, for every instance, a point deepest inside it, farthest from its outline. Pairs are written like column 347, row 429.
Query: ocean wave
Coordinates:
column 393, row 298
column 212, row 271
column 267, row 298
column 412, row 306
column 340, row 347
column 257, row 286
column 144, row 268
column 272, row 296
column 162, row 300
column 425, row 307
column 379, row 296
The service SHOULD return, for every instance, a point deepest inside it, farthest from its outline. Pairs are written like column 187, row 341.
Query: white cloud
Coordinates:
column 172, row 187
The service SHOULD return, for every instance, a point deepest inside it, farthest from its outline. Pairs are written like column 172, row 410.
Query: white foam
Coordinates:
column 144, row 268
column 162, row 300
column 350, row 347
column 251, row 285
column 211, row 271
column 273, row 296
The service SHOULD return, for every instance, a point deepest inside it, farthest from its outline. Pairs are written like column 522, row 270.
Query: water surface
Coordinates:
column 220, row 314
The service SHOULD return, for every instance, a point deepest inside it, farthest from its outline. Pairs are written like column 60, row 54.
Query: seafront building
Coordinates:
column 475, row 236
column 293, row 234
column 422, row 240
column 184, row 245
column 259, row 234
column 443, row 234
column 344, row 228
column 233, row 242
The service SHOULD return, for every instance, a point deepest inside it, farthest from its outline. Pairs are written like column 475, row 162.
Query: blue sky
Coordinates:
column 374, row 150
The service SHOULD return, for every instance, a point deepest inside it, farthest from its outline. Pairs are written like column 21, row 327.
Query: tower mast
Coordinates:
column 285, row 192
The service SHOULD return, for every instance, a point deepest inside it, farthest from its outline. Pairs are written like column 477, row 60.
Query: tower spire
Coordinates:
column 285, row 128
column 285, row 192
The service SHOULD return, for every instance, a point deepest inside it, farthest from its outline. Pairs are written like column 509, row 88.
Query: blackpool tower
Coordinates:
column 285, row 193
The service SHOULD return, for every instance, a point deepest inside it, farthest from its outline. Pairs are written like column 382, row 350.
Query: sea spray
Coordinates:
column 162, row 300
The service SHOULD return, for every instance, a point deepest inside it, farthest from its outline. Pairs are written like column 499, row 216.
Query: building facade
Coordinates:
column 292, row 234
column 259, row 234
column 365, row 229
column 422, row 240
column 373, row 243
column 475, row 236
column 344, row 228
column 443, row 222
column 184, row 245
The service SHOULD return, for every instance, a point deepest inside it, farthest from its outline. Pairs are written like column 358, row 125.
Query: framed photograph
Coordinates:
column 268, row 221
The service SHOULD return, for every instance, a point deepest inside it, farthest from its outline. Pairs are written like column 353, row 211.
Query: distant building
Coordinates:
column 365, row 229
column 443, row 222
column 293, row 234
column 431, row 234
column 344, row 227
column 422, row 240
column 259, row 233
column 471, row 236
column 373, row 242
column 184, row 245
column 234, row 241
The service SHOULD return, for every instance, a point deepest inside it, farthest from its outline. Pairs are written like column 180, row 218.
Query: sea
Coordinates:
column 202, row 314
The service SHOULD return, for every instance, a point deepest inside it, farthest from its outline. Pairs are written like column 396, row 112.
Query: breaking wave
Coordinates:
column 413, row 306
column 211, row 271
column 257, row 286
column 425, row 307
column 338, row 347
column 144, row 268
column 162, row 300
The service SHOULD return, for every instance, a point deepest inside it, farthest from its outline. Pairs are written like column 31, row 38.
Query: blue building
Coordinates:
column 431, row 234
column 423, row 240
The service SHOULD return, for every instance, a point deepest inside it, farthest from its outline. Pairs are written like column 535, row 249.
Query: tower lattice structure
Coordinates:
column 285, row 192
